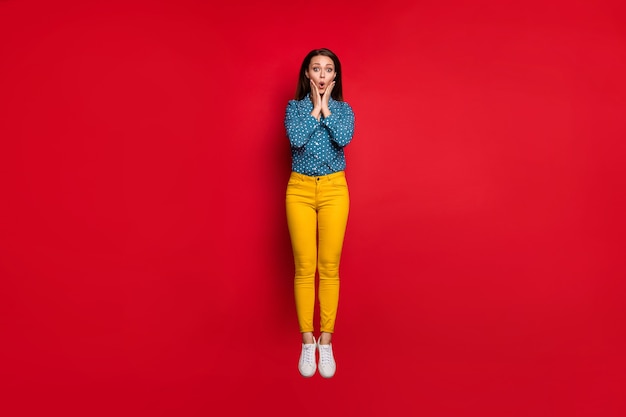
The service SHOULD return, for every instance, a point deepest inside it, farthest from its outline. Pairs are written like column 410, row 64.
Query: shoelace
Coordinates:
column 309, row 354
column 326, row 354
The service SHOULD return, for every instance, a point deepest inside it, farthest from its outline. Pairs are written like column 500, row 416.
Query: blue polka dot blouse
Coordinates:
column 317, row 147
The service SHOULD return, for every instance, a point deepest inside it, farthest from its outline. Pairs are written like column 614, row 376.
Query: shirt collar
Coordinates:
column 308, row 100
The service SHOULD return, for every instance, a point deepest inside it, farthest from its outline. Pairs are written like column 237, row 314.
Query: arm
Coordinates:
column 340, row 124
column 299, row 127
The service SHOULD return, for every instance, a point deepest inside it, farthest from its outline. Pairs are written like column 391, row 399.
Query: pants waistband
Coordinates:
column 318, row 178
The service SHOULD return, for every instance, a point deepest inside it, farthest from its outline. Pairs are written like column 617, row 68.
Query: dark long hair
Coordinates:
column 304, row 86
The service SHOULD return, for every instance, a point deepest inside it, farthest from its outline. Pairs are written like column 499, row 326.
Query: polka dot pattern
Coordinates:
column 317, row 147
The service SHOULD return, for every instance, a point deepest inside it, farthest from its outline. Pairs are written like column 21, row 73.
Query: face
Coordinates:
column 322, row 71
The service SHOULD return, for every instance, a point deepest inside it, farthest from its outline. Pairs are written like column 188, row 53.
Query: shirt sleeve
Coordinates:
column 340, row 124
column 299, row 127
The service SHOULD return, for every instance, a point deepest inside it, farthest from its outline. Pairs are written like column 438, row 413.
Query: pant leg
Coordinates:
column 333, row 208
column 302, row 224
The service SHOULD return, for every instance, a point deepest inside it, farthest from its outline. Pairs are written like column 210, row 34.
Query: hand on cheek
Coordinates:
column 316, row 99
column 325, row 98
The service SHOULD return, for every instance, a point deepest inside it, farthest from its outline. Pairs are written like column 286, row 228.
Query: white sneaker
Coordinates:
column 306, row 365
column 327, row 363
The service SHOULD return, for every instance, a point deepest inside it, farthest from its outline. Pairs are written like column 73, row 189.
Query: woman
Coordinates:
column 319, row 125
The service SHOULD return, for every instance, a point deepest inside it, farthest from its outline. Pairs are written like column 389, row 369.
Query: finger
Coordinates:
column 328, row 92
column 314, row 87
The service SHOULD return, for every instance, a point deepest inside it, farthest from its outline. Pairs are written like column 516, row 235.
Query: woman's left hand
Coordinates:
column 325, row 98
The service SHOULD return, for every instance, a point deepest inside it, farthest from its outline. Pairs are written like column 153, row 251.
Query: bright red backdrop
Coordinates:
column 144, row 258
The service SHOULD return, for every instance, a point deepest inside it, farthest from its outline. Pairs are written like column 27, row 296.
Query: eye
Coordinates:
column 316, row 69
column 329, row 70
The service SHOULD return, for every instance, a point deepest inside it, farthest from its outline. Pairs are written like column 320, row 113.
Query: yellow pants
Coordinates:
column 317, row 214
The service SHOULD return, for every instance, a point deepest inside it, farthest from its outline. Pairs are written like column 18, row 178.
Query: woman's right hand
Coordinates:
column 317, row 100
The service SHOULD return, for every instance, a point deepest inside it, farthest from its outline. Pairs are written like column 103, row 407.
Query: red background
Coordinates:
column 144, row 257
